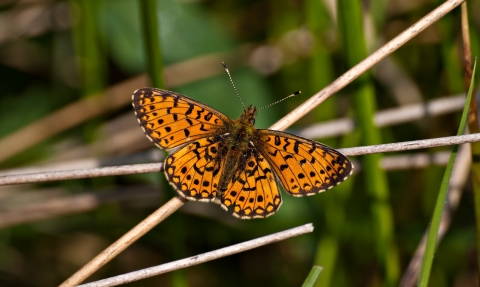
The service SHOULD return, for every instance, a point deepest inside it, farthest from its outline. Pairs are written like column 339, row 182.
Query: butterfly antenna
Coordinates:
column 269, row 105
column 231, row 81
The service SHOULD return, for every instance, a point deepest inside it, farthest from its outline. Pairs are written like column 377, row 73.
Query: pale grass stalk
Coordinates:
column 87, row 201
column 201, row 258
column 72, row 204
column 332, row 128
column 123, row 242
column 156, row 167
column 388, row 117
column 366, row 64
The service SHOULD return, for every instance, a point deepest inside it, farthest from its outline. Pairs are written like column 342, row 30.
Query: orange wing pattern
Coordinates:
column 304, row 167
column 253, row 192
column 170, row 119
column 230, row 162
column 194, row 169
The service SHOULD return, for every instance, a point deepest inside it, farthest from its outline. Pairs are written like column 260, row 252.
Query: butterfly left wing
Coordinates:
column 304, row 167
column 170, row 119
column 253, row 191
column 195, row 168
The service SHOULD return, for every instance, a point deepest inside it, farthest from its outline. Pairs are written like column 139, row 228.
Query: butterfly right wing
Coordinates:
column 170, row 119
column 304, row 167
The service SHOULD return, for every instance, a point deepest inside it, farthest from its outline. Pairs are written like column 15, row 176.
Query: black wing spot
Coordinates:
column 260, row 198
column 295, row 146
column 241, row 198
column 277, row 140
column 287, row 157
column 168, row 129
column 160, row 121
column 301, row 175
column 208, row 116
column 196, row 182
column 206, row 183
column 190, row 109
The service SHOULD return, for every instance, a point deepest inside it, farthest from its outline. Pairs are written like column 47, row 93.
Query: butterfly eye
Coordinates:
column 251, row 120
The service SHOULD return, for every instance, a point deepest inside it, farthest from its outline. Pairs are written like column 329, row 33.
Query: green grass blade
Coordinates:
column 352, row 35
column 442, row 196
column 151, row 40
column 90, row 53
column 312, row 276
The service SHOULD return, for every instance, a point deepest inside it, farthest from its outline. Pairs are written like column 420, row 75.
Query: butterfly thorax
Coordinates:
column 238, row 146
column 242, row 129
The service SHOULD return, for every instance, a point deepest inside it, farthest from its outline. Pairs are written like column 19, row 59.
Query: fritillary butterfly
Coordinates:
column 229, row 162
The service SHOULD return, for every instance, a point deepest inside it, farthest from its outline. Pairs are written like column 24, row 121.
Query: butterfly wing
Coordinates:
column 304, row 167
column 195, row 168
column 253, row 191
column 170, row 119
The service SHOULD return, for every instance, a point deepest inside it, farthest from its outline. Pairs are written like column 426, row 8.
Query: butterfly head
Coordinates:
column 249, row 115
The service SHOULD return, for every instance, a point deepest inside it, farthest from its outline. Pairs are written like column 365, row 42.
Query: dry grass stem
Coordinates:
column 388, row 117
column 123, row 242
column 155, row 167
column 322, row 130
column 205, row 257
column 410, row 145
column 414, row 161
column 67, row 205
column 81, row 173
column 366, row 64
column 88, row 201
column 146, row 156
column 457, row 182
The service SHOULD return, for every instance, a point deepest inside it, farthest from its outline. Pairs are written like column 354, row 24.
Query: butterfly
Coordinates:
column 229, row 162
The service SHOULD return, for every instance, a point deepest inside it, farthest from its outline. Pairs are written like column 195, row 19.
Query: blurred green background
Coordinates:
column 68, row 69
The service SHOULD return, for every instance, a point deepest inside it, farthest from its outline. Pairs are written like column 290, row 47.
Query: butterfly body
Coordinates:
column 230, row 162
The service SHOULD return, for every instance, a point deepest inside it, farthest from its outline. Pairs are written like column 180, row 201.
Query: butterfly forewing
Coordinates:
column 304, row 167
column 170, row 119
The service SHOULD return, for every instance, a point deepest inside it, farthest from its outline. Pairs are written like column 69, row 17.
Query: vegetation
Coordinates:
column 68, row 71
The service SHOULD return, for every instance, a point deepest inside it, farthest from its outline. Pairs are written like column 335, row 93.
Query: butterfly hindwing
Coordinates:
column 304, row 167
column 170, row 119
column 253, row 192
column 195, row 168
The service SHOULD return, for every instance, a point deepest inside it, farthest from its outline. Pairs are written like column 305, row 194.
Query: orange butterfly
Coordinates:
column 230, row 162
